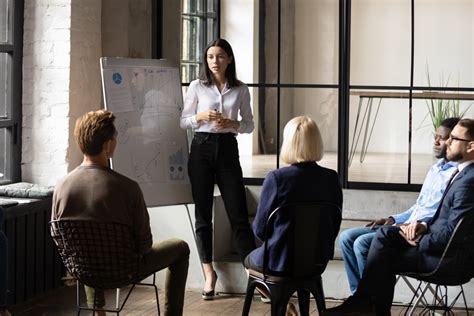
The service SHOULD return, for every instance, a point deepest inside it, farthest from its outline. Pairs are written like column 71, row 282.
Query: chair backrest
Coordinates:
column 101, row 255
column 457, row 261
column 456, row 264
column 313, row 230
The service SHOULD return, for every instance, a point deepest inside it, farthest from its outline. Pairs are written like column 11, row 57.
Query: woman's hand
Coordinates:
column 208, row 116
column 223, row 123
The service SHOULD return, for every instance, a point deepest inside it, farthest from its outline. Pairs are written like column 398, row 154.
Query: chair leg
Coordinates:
column 248, row 297
column 280, row 296
column 319, row 296
column 95, row 301
column 119, row 307
column 126, row 297
column 464, row 299
column 153, row 284
column 414, row 291
column 303, row 302
column 440, row 301
column 78, row 298
column 117, row 297
column 156, row 294
column 419, row 297
column 279, row 305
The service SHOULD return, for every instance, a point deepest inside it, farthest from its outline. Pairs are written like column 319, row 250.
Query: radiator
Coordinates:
column 33, row 261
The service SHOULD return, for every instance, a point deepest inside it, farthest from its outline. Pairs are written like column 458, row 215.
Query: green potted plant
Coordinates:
column 440, row 109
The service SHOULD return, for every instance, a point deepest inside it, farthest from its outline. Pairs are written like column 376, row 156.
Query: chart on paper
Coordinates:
column 146, row 98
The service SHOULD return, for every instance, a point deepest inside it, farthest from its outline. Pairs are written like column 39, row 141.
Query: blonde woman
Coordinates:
column 302, row 181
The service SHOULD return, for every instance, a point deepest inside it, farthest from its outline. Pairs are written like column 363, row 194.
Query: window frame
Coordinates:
column 344, row 87
column 207, row 34
column 12, row 124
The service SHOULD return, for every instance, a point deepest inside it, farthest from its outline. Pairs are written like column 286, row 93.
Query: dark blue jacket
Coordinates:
column 302, row 182
column 459, row 201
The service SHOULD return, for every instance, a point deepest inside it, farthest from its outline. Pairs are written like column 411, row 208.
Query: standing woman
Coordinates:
column 211, row 108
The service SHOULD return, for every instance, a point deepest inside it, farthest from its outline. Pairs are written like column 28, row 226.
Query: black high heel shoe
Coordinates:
column 209, row 295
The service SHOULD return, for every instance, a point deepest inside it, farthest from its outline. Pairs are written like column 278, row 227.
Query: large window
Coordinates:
column 287, row 51
column 199, row 27
column 404, row 63
column 11, row 21
column 367, row 71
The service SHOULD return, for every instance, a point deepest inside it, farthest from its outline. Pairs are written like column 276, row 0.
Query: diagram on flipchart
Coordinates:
column 151, row 147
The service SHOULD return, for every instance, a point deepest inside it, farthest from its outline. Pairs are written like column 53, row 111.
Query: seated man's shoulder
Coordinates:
column 124, row 180
column 100, row 177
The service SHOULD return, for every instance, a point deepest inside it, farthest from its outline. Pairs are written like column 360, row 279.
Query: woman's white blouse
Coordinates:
column 230, row 102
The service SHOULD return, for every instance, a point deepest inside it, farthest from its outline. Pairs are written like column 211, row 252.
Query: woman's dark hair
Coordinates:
column 230, row 73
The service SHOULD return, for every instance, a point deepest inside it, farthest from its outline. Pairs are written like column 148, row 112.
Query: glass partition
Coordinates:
column 290, row 53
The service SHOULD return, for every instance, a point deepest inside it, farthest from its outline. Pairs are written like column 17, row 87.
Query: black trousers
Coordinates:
column 390, row 254
column 214, row 158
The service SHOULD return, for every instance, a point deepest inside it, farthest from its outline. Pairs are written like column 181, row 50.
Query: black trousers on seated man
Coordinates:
column 390, row 253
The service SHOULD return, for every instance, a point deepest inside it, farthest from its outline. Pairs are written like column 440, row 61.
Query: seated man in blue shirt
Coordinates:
column 355, row 242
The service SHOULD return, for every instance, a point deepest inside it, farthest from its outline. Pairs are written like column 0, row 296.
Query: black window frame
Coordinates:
column 344, row 87
column 12, row 123
column 345, row 22
column 207, row 33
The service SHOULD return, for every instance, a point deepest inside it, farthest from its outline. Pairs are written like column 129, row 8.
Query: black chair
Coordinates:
column 99, row 255
column 455, row 268
column 313, row 230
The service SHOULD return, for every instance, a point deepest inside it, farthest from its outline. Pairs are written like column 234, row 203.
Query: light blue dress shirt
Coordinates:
column 431, row 192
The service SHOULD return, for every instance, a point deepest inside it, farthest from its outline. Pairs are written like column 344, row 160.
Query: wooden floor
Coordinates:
column 61, row 302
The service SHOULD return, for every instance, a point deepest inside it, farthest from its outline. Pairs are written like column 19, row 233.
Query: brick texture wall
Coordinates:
column 61, row 79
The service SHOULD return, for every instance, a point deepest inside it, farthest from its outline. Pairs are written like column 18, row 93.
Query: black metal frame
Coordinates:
column 13, row 123
column 344, row 88
column 157, row 29
column 453, row 269
column 118, row 309
column 204, row 32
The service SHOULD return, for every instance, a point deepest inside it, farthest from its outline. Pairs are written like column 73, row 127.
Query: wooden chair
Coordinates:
column 100, row 255
column 455, row 268
column 309, row 239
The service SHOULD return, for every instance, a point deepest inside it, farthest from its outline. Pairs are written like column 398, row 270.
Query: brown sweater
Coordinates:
column 101, row 194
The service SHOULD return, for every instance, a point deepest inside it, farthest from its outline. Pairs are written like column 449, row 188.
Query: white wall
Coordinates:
column 61, row 75
column 63, row 41
column 316, row 33
column 85, row 85
column 241, row 30
column 46, row 82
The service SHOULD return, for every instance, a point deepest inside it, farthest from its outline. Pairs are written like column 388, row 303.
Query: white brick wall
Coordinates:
column 61, row 80
column 46, row 59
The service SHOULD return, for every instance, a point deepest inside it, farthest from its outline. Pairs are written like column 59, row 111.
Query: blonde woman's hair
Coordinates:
column 301, row 141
